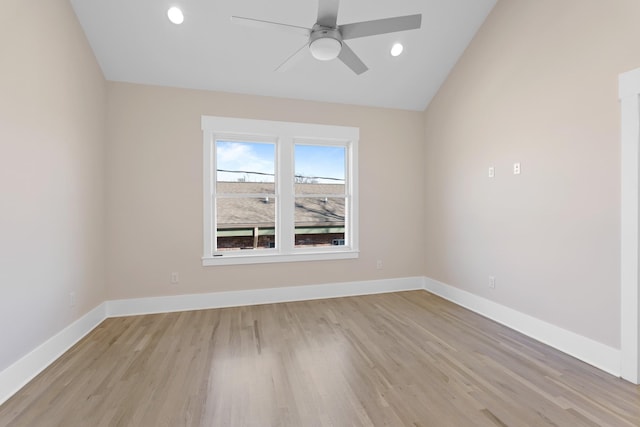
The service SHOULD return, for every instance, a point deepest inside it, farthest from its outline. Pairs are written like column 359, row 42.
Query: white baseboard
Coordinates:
column 130, row 307
column 25, row 369
column 592, row 352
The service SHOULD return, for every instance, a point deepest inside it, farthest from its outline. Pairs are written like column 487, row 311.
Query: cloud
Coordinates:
column 245, row 157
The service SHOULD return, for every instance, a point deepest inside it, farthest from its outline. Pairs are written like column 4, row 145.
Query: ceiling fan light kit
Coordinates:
column 325, row 40
column 325, row 44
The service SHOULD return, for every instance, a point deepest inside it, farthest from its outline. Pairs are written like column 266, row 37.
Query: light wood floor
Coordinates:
column 401, row 359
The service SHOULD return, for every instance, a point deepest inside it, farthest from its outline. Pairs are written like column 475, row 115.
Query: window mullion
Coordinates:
column 286, row 201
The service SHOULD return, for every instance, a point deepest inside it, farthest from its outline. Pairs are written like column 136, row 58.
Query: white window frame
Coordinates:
column 285, row 135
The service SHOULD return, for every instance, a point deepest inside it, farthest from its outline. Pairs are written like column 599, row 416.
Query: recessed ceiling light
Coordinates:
column 397, row 49
column 175, row 15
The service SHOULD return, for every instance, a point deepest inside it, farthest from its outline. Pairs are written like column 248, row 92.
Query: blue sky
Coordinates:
column 320, row 161
column 310, row 160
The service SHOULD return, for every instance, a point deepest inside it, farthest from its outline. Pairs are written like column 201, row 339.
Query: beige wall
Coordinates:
column 538, row 85
column 52, row 108
column 154, row 164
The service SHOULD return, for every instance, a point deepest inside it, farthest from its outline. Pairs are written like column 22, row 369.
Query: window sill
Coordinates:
column 268, row 258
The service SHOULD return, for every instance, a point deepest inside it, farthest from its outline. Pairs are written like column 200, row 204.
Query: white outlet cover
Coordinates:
column 175, row 278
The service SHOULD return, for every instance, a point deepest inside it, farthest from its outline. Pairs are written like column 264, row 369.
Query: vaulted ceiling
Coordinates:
column 134, row 41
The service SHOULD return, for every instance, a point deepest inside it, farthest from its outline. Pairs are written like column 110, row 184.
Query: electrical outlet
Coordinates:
column 72, row 299
column 175, row 278
column 379, row 264
column 492, row 282
column 516, row 168
column 492, row 172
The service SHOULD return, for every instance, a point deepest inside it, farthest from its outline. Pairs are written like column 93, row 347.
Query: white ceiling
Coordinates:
column 135, row 42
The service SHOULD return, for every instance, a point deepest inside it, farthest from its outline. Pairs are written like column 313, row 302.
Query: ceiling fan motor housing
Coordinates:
column 325, row 43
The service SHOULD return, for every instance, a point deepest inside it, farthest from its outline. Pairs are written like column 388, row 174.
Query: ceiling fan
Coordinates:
column 326, row 39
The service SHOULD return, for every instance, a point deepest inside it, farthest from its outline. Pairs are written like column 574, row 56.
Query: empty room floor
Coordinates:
column 398, row 359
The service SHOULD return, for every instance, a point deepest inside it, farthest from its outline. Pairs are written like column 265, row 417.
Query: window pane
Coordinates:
column 227, row 188
column 319, row 221
column 245, row 167
column 245, row 223
column 320, row 169
column 329, row 189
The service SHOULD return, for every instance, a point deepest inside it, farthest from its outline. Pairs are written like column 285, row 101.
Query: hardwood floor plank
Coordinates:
column 400, row 359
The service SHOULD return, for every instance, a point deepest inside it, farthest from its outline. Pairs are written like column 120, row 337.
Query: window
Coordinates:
column 278, row 191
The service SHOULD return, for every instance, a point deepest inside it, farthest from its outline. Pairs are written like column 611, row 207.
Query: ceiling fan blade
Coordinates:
column 380, row 26
column 293, row 59
column 328, row 13
column 351, row 60
column 268, row 25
